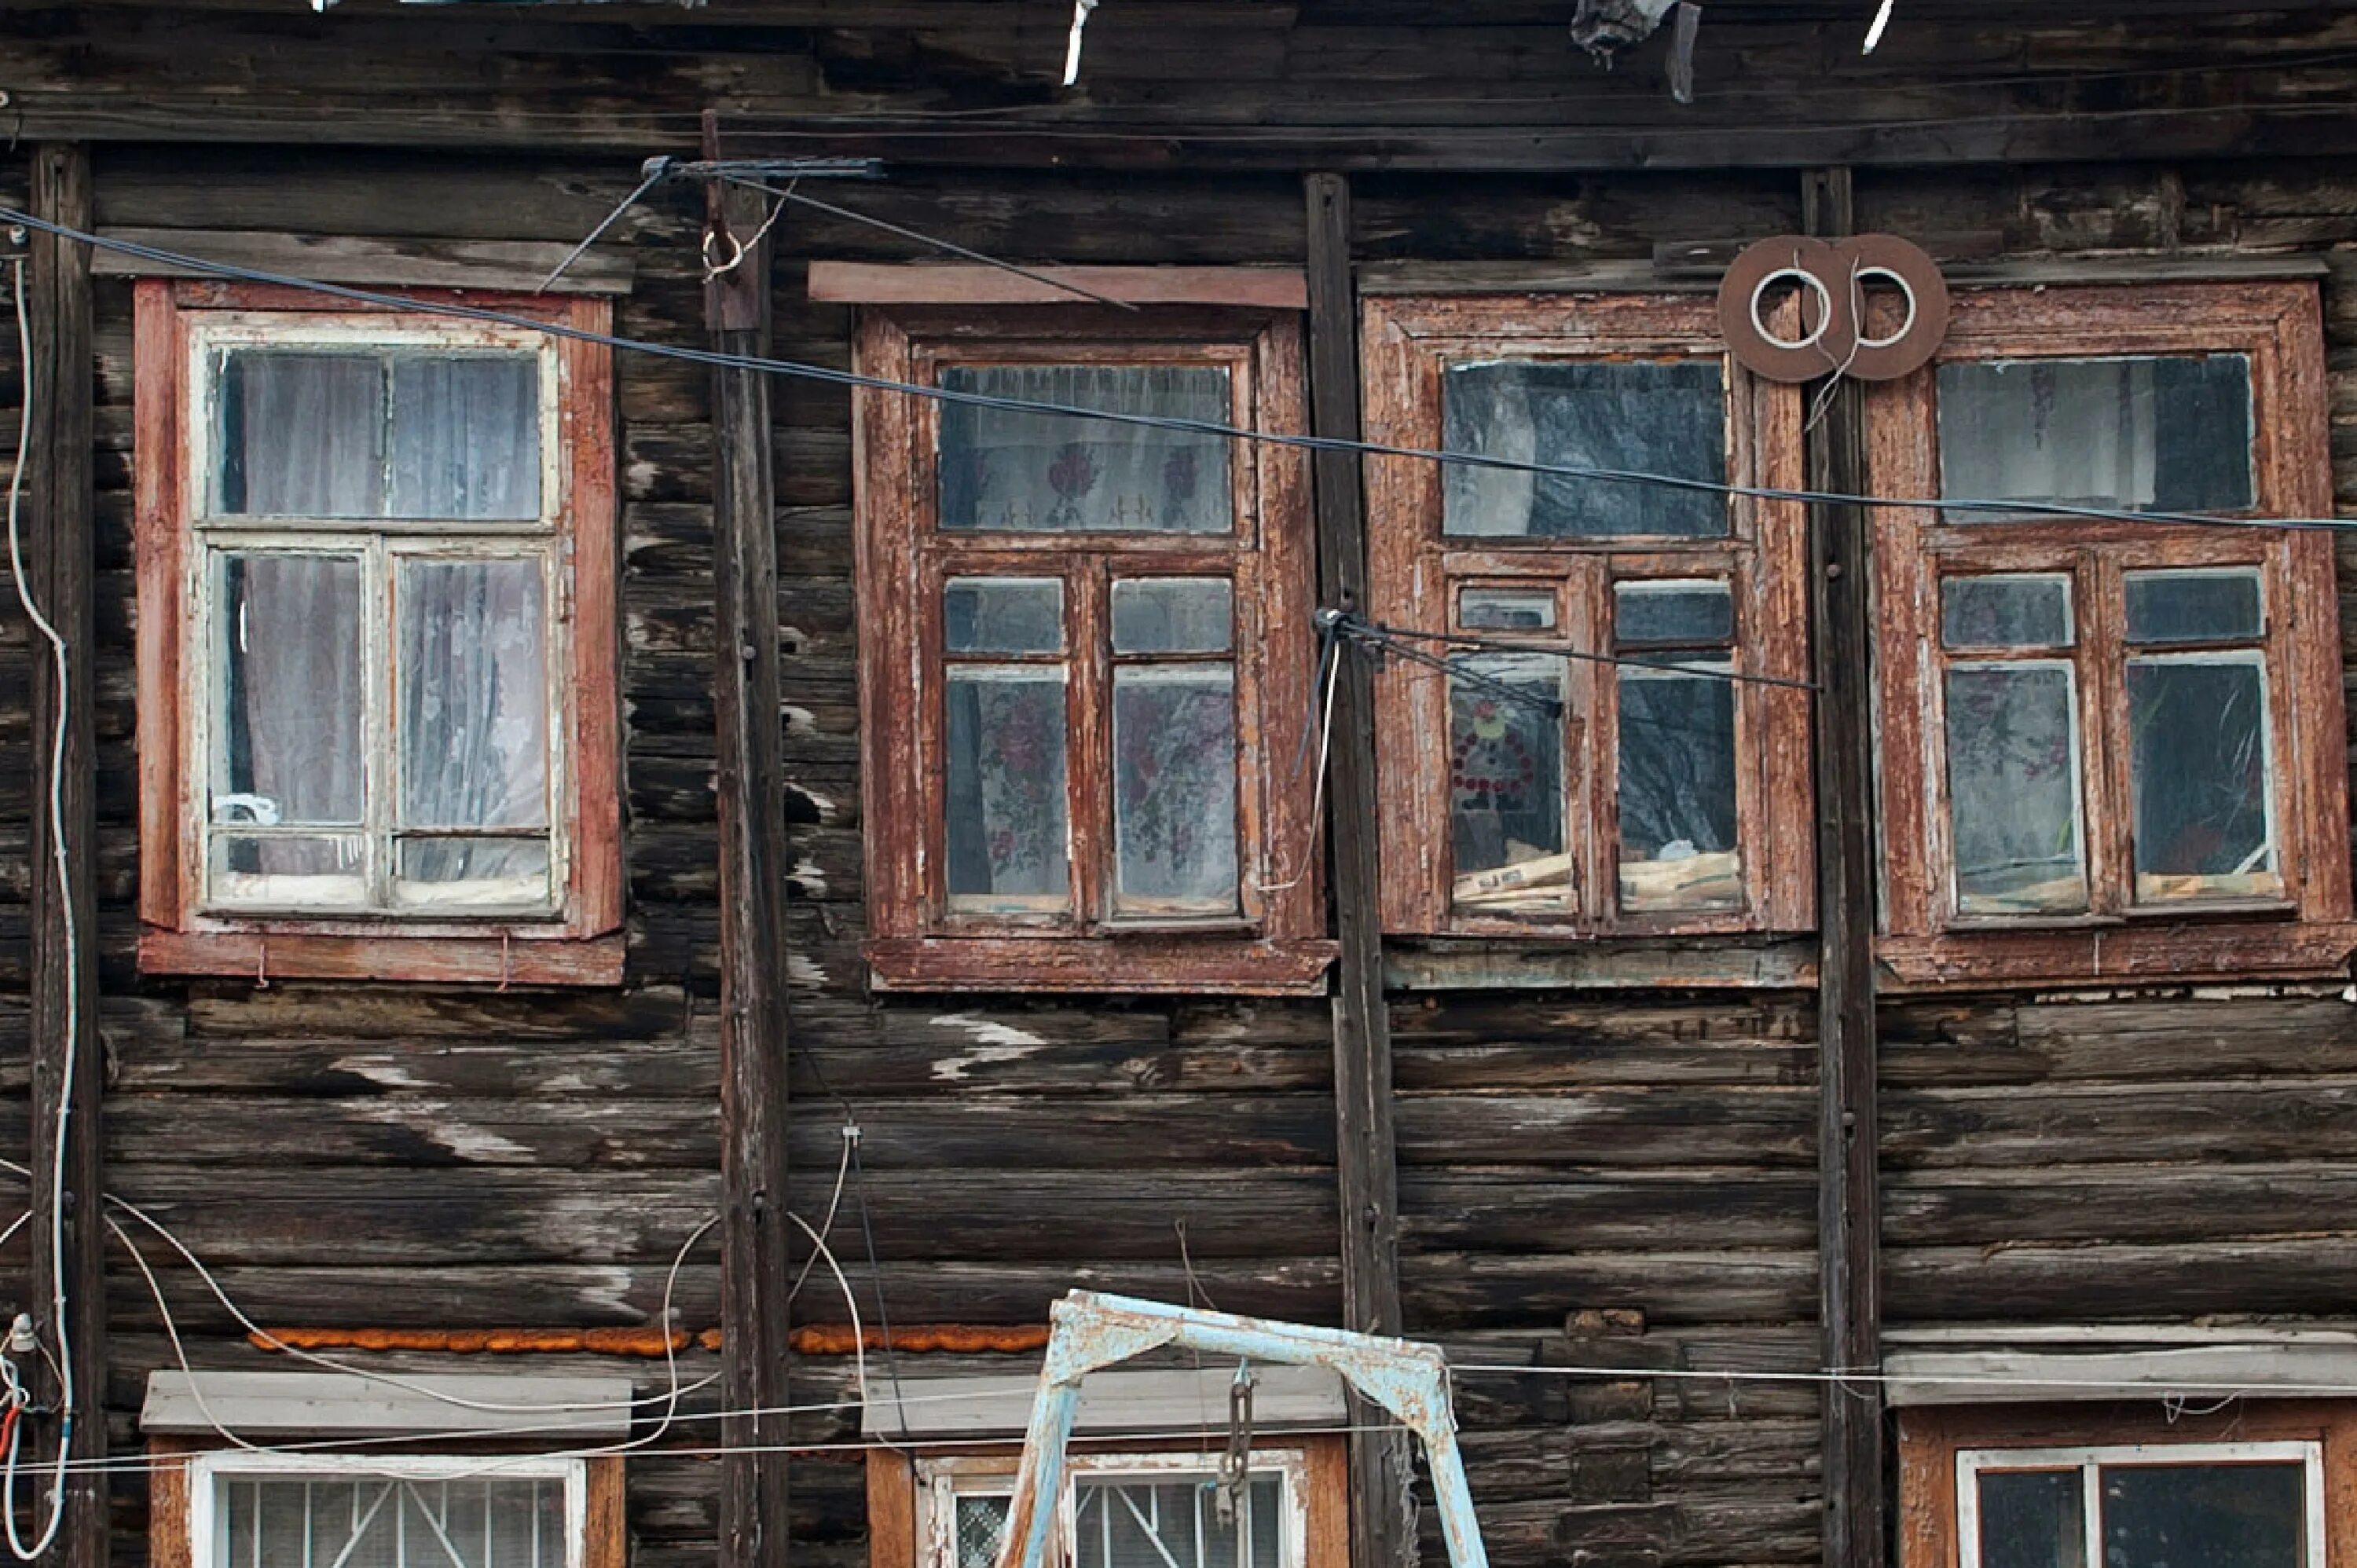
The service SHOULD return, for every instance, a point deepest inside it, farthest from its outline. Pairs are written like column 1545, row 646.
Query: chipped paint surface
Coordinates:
column 995, row 1043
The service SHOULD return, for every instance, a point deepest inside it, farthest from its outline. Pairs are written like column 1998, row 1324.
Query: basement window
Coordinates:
column 1088, row 655
column 2112, row 746
column 1597, row 761
column 378, row 696
column 1123, row 1510
column 290, row 1511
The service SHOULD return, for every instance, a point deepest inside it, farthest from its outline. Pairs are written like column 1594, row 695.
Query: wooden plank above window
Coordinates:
column 964, row 282
column 2200, row 1373
column 276, row 1404
column 1174, row 1400
column 369, row 262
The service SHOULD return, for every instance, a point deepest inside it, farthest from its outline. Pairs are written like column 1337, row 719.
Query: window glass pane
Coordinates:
column 1677, row 793
column 301, row 434
column 1034, row 473
column 373, row 1521
column 1173, row 790
column 2033, row 1518
column 287, row 873
column 981, row 1527
column 2169, row 434
column 464, row 870
column 2005, row 612
column 2193, row 606
column 1003, row 615
column 2013, row 789
column 1506, row 783
column 1009, row 846
column 1152, row 1522
column 1172, row 614
column 466, row 436
column 2196, row 736
column 473, row 694
column 1659, row 614
column 286, row 744
column 1646, row 416
column 1505, row 609
column 2215, row 1516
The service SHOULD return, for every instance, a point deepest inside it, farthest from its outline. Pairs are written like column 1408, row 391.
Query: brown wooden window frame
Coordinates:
column 1277, row 945
column 1931, row 1437
column 1926, row 942
column 174, row 1461
column 579, row 942
column 1415, row 573
column 905, row 1528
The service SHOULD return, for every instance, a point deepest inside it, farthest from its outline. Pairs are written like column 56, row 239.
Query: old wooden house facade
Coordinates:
column 565, row 784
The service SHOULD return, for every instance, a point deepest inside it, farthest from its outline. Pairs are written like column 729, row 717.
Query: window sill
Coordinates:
column 1752, row 962
column 487, row 959
column 2206, row 950
column 1136, row 963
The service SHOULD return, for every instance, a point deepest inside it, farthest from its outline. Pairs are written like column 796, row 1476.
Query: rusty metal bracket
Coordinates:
column 1092, row 1332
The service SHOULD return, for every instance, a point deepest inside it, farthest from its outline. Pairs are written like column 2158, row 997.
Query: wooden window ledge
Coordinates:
column 2207, row 950
column 462, row 960
column 1128, row 964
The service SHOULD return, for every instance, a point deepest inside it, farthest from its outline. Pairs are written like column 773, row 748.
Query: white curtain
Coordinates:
column 321, row 434
column 291, row 745
column 2075, row 431
column 1058, row 474
column 474, row 695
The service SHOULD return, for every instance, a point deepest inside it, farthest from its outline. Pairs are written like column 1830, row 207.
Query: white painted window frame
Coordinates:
column 206, row 1472
column 943, row 1480
column 2089, row 1461
column 378, row 544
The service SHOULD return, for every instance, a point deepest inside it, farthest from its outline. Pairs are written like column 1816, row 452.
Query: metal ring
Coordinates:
column 1857, row 280
column 1824, row 307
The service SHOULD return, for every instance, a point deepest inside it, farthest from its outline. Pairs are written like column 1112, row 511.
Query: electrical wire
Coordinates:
column 72, row 955
column 800, row 370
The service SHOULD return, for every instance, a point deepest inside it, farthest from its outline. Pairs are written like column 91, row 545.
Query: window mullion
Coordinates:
column 1089, row 709
column 1591, row 717
column 381, row 768
column 2107, row 789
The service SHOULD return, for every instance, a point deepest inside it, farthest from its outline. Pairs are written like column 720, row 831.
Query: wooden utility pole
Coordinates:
column 1848, row 1195
column 1382, row 1522
column 55, row 525
column 753, row 1240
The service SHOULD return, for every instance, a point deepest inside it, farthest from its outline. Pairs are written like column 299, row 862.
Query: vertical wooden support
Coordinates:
column 1383, row 1525
column 753, row 1240
column 55, row 525
column 1849, row 1197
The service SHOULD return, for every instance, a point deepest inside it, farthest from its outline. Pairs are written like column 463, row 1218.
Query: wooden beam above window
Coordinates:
column 964, row 282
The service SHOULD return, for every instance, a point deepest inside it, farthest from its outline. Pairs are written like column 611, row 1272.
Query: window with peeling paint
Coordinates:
column 2112, row 743
column 392, row 714
column 1615, row 742
column 1089, row 658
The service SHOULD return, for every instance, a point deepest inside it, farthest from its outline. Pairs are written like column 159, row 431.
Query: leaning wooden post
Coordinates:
column 1383, row 1526
column 55, row 522
column 1848, row 1195
column 753, row 1240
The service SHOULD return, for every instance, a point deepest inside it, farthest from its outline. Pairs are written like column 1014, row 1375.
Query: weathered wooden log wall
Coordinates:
column 1621, row 1181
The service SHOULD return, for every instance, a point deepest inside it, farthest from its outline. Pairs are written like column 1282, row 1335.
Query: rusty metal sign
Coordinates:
column 1831, row 335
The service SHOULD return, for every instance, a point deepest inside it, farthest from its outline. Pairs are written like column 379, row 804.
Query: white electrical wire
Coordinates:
column 833, row 1202
column 73, row 956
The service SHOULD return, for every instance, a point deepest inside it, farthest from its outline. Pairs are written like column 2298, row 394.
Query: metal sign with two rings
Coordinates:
column 1832, row 277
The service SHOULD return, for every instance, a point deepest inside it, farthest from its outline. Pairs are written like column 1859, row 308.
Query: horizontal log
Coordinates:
column 1650, row 1126
column 2073, row 1282
column 1441, row 1290
column 1543, row 1210
column 2111, row 1204
column 2092, row 1124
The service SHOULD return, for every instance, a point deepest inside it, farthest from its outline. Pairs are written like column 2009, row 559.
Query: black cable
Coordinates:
column 1212, row 428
